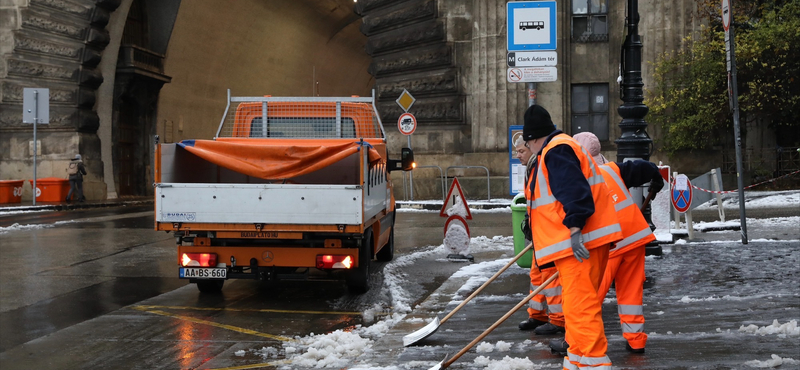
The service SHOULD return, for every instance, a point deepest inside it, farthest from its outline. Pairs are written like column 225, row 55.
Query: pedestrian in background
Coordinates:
column 626, row 261
column 76, row 170
column 573, row 225
column 545, row 315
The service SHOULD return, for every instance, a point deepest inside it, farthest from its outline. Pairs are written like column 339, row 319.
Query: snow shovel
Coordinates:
column 647, row 200
column 445, row 364
column 431, row 328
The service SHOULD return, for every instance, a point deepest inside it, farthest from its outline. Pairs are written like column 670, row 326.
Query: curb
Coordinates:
column 437, row 206
column 74, row 206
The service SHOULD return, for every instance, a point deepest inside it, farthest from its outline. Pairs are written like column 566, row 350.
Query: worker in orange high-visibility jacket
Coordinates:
column 544, row 309
column 626, row 261
column 573, row 225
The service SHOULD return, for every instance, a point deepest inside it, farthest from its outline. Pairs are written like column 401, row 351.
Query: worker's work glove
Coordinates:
column 578, row 250
column 656, row 183
column 526, row 227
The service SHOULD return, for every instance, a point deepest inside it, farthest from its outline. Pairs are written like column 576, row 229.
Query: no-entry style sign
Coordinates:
column 407, row 123
column 681, row 193
column 726, row 15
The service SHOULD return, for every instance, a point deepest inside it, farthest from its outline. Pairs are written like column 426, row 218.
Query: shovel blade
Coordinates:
column 422, row 333
column 440, row 365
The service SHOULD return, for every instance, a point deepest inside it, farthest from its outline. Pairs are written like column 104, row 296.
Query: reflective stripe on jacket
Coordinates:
column 551, row 239
column 635, row 230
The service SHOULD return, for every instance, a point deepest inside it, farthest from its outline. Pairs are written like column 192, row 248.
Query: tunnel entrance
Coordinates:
column 139, row 78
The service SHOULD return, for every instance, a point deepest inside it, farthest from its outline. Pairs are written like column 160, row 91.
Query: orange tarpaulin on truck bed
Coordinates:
column 272, row 159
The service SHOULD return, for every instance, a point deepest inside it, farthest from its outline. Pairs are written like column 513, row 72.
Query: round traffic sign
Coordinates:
column 681, row 198
column 727, row 17
column 457, row 218
column 407, row 123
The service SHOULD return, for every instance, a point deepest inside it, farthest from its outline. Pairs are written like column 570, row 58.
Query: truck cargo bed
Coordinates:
column 259, row 203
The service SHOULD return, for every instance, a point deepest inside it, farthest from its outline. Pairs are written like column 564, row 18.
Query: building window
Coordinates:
column 590, row 20
column 590, row 109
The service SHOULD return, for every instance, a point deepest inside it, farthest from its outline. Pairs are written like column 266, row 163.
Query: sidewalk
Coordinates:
column 730, row 314
column 63, row 206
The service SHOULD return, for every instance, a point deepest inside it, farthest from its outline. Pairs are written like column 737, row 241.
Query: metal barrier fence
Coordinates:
column 766, row 161
column 488, row 183
column 411, row 182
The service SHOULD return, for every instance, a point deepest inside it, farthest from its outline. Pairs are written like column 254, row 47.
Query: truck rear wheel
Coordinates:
column 386, row 253
column 210, row 286
column 358, row 279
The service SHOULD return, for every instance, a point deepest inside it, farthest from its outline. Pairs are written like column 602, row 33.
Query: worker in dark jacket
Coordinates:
column 573, row 223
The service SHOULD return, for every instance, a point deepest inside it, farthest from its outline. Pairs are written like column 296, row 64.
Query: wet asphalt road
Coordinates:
column 102, row 293
column 94, row 288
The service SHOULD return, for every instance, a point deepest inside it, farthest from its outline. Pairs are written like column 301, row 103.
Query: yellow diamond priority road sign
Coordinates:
column 405, row 100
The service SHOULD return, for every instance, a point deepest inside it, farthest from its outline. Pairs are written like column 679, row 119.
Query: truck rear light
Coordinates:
column 328, row 261
column 199, row 259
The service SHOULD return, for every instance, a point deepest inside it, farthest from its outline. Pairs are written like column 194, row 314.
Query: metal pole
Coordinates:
column 531, row 94
column 35, row 119
column 634, row 143
column 729, row 42
column 411, row 173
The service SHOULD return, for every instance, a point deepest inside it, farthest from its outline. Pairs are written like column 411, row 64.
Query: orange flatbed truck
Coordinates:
column 289, row 188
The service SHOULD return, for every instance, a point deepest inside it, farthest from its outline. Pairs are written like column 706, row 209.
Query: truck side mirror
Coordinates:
column 405, row 163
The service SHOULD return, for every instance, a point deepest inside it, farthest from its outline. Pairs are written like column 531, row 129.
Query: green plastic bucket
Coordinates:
column 518, row 210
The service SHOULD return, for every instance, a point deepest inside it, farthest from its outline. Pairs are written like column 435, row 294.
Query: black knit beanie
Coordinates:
column 537, row 123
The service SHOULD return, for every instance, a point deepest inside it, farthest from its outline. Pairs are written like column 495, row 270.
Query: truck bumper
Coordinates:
column 269, row 256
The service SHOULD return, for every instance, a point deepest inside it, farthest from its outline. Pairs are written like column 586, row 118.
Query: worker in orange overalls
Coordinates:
column 573, row 223
column 544, row 309
column 626, row 261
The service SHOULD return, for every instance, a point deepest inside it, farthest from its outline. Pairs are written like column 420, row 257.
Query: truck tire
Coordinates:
column 358, row 279
column 386, row 253
column 210, row 286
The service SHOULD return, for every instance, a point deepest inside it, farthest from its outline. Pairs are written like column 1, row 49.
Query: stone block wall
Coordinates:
column 55, row 45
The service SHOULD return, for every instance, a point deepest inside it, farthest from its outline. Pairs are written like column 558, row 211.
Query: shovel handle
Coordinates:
column 647, row 200
column 491, row 279
column 498, row 322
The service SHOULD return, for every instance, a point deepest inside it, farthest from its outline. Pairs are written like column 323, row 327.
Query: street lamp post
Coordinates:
column 634, row 141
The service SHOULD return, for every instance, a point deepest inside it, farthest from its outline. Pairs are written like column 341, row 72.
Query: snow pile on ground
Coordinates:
column 789, row 328
column 486, row 347
column 507, row 363
column 333, row 350
column 774, row 362
column 341, row 349
column 268, row 352
column 17, row 226
column 686, row 299
column 477, row 274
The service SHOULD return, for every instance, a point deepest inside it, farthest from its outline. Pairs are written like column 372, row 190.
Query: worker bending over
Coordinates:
column 626, row 261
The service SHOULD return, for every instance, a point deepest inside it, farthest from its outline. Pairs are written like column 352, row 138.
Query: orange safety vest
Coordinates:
column 635, row 230
column 551, row 239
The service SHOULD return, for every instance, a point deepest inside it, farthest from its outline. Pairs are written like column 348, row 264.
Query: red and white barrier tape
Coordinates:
column 746, row 187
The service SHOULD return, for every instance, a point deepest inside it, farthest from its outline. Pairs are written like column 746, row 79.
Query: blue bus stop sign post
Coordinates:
column 516, row 169
column 531, row 25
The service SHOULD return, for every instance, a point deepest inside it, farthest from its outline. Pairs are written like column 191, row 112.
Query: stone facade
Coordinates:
column 55, row 45
column 450, row 54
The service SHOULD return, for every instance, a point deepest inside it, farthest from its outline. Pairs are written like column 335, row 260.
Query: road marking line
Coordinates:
column 211, row 323
column 148, row 307
column 255, row 366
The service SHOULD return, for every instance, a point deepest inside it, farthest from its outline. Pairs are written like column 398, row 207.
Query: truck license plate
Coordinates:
column 203, row 273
